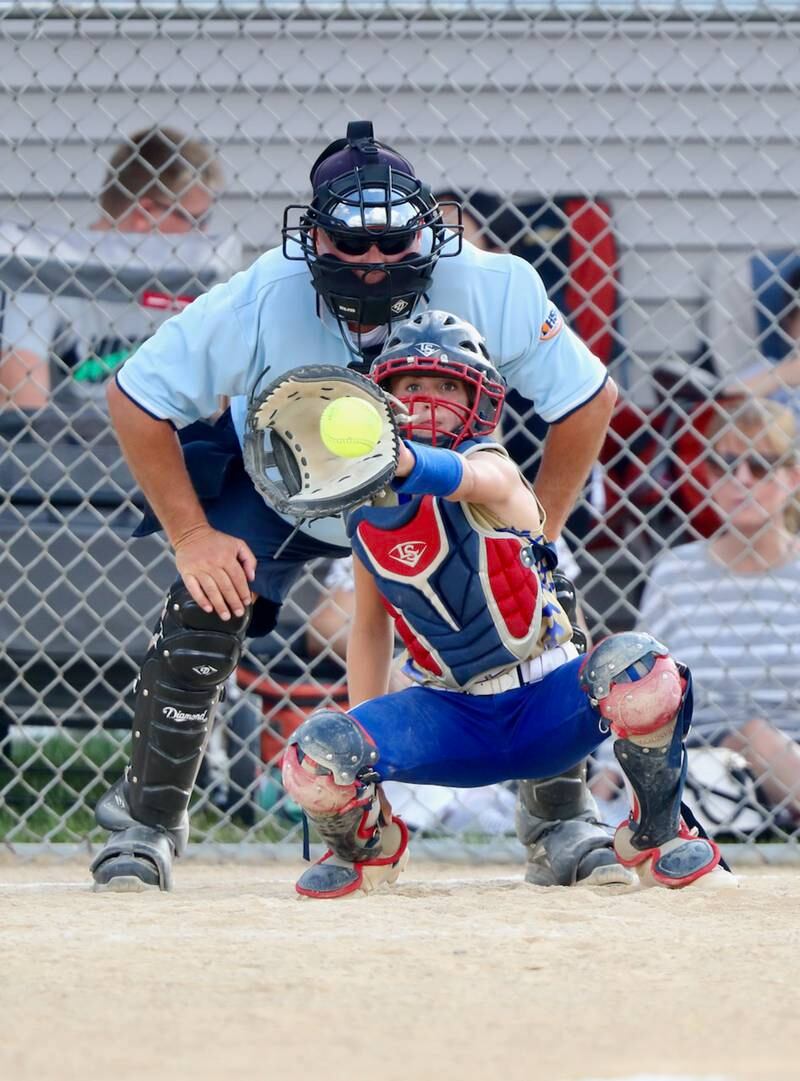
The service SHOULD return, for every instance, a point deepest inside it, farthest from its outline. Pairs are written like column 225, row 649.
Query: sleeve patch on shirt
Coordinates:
column 164, row 301
column 552, row 325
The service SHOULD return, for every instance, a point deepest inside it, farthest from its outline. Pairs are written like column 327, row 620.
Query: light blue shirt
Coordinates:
column 246, row 332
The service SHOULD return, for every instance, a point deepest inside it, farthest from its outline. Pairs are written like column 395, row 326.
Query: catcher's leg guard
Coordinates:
column 557, row 822
column 647, row 701
column 328, row 768
column 192, row 654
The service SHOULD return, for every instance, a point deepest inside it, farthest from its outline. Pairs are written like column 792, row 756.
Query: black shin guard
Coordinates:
column 180, row 684
column 656, row 776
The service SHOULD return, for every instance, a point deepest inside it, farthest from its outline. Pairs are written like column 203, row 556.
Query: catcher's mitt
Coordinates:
column 284, row 453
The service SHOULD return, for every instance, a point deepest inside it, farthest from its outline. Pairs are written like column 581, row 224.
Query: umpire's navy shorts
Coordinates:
column 214, row 461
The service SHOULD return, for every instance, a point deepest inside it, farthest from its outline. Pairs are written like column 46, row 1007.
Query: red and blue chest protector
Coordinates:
column 463, row 600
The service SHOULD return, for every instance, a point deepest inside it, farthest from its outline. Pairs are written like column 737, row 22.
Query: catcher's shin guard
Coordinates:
column 567, row 846
column 328, row 768
column 647, row 700
column 180, row 684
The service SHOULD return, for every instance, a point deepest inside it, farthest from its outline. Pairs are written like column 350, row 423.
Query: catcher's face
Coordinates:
column 438, row 404
column 368, row 254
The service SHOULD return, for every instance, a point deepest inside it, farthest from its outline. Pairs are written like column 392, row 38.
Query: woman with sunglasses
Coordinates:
column 730, row 608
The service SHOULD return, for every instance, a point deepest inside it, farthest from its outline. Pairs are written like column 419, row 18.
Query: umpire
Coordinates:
column 369, row 249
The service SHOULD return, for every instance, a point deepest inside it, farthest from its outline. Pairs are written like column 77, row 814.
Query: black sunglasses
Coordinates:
column 758, row 466
column 354, row 243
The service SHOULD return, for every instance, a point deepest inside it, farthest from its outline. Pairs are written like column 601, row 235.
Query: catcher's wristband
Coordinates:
column 436, row 471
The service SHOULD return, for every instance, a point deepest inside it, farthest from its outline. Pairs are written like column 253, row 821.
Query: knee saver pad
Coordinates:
column 199, row 648
column 634, row 682
column 327, row 761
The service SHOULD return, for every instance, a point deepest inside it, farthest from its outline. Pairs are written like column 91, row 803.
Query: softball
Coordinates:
column 350, row 427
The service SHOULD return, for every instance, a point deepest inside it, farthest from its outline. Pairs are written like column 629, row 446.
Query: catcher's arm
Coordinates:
column 484, row 478
column 371, row 643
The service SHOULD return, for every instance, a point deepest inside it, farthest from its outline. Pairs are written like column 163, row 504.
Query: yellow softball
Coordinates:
column 350, row 427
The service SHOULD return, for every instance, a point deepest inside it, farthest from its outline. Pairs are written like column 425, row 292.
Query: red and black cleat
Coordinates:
column 675, row 863
column 331, row 876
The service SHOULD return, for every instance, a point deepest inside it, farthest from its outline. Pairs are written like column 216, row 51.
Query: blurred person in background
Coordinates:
column 730, row 608
column 67, row 342
column 73, row 306
column 780, row 381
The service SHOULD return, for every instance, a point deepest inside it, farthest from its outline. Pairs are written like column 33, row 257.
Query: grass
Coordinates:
column 50, row 781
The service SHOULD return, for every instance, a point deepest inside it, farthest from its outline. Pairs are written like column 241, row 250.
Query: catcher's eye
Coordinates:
column 352, row 243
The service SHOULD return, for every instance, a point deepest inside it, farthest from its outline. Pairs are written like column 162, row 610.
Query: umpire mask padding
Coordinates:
column 366, row 193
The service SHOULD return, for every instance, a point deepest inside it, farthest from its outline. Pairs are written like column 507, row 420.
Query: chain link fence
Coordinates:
column 644, row 157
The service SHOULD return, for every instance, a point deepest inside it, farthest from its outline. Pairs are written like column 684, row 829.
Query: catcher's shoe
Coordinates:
column 332, row 877
column 678, row 862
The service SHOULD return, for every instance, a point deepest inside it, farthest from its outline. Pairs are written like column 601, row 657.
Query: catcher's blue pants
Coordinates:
column 450, row 738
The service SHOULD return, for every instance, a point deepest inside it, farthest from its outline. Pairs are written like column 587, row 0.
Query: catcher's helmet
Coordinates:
column 436, row 343
column 366, row 193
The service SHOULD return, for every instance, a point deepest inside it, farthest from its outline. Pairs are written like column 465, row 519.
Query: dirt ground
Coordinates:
column 455, row 973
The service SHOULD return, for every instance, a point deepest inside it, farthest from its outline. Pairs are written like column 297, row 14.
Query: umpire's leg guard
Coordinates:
column 647, row 700
column 192, row 654
column 557, row 821
column 329, row 769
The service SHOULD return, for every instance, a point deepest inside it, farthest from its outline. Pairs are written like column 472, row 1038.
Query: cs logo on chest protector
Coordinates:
column 409, row 553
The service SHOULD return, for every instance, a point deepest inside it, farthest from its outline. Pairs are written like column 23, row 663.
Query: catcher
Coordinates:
column 357, row 259
column 456, row 557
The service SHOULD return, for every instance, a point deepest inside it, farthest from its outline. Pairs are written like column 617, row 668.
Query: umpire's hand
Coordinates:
column 216, row 568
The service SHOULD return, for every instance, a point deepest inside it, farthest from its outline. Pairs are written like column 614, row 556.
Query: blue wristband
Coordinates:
column 436, row 471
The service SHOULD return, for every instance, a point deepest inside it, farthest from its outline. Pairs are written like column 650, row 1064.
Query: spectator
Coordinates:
column 157, row 182
column 75, row 305
column 781, row 380
column 730, row 608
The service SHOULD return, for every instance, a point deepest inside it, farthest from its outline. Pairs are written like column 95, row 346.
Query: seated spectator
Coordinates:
column 781, row 380
column 158, row 182
column 730, row 608
column 74, row 305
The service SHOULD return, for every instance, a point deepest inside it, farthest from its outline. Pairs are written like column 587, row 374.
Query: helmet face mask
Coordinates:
column 437, row 344
column 373, row 203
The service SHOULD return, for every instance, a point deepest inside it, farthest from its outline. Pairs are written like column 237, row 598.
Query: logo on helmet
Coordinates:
column 399, row 306
column 427, row 349
column 408, row 553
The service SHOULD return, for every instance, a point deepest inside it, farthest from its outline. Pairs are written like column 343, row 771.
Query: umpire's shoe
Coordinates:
column 567, row 846
column 135, row 857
